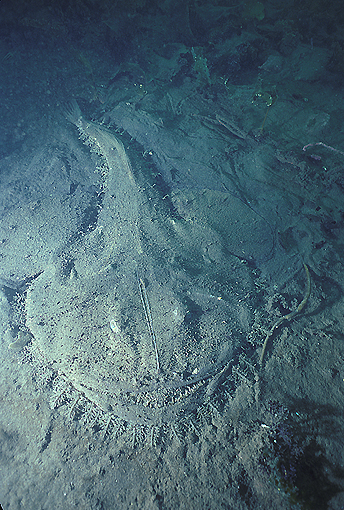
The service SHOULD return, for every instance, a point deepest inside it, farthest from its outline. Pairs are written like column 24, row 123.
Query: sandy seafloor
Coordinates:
column 271, row 437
